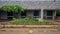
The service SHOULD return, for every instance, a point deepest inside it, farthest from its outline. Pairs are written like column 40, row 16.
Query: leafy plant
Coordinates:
column 16, row 9
column 13, row 8
column 29, row 21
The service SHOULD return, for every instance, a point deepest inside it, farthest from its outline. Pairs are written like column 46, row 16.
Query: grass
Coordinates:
column 29, row 21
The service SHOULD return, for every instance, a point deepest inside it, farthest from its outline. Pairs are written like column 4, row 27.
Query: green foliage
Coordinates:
column 13, row 8
column 58, row 12
column 29, row 21
column 45, row 22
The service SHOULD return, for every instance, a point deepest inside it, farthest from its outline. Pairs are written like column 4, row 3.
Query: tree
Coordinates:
column 13, row 8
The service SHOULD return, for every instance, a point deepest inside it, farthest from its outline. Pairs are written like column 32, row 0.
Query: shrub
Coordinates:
column 29, row 21
column 58, row 12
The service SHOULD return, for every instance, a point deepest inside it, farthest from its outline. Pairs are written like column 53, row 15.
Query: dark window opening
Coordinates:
column 36, row 13
column 23, row 14
column 49, row 13
column 10, row 15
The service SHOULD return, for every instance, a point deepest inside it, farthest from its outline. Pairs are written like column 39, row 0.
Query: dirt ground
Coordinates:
column 29, row 31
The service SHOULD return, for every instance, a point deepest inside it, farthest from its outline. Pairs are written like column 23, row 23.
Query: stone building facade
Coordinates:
column 44, row 9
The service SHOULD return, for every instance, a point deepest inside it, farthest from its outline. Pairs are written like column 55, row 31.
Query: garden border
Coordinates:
column 29, row 26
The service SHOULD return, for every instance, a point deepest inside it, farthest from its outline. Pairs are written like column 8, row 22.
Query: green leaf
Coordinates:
column 13, row 8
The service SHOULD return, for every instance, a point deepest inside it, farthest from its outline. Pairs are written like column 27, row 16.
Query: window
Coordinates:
column 10, row 15
column 49, row 12
column 36, row 13
column 23, row 14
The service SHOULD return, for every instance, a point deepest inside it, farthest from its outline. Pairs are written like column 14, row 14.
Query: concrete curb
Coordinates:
column 27, row 26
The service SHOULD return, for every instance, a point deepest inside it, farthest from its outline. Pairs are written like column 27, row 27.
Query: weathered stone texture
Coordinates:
column 33, row 5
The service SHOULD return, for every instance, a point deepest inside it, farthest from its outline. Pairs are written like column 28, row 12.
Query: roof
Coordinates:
column 33, row 5
column 26, row 0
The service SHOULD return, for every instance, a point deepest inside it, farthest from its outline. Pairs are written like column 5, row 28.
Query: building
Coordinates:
column 44, row 9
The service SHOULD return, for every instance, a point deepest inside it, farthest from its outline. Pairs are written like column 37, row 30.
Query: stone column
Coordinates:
column 54, row 15
column 41, row 13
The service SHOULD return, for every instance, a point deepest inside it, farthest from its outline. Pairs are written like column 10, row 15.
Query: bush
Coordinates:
column 58, row 12
column 45, row 22
column 29, row 21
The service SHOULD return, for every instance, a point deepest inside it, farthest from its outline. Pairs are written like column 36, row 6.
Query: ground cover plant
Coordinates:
column 29, row 21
